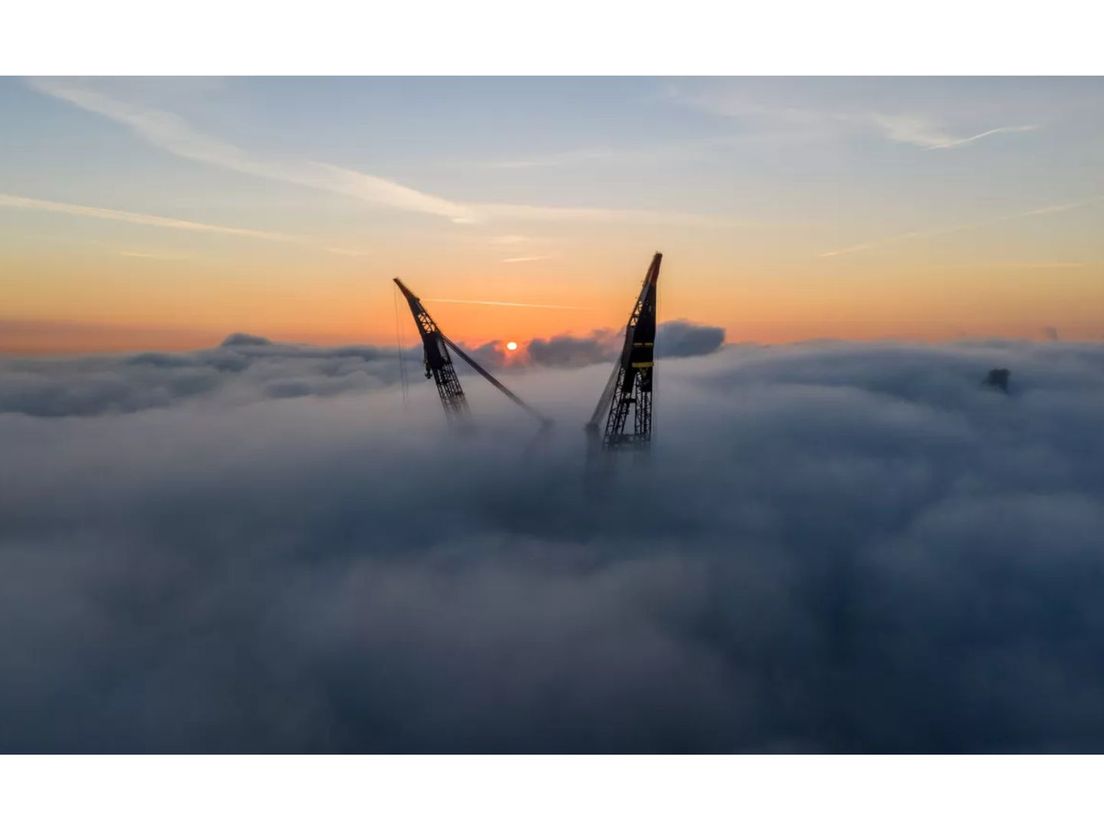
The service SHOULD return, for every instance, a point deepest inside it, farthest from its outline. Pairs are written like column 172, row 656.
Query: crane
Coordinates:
column 438, row 365
column 629, row 388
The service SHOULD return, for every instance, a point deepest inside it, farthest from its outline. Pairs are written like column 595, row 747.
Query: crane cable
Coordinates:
column 487, row 375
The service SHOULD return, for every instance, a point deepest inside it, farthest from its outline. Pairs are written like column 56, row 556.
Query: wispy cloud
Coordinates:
column 516, row 249
column 153, row 254
column 867, row 245
column 807, row 118
column 602, row 215
column 23, row 203
column 19, row 202
column 943, row 231
column 511, row 240
column 558, row 159
column 922, row 132
column 733, row 101
column 1023, row 265
column 173, row 134
column 506, row 304
column 960, row 141
column 655, row 153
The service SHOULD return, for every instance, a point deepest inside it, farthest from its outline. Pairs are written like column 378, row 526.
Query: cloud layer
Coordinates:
column 246, row 368
column 832, row 548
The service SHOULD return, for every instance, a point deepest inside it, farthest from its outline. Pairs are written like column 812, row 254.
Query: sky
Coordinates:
column 166, row 213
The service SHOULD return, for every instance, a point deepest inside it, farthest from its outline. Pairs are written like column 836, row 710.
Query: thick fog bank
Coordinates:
column 831, row 548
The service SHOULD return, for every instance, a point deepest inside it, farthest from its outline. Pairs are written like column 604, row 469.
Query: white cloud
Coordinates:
column 257, row 548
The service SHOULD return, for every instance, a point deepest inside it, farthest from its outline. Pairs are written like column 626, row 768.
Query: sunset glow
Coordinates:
column 173, row 212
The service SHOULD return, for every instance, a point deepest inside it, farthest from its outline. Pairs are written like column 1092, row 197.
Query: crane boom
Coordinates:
column 629, row 387
column 438, row 364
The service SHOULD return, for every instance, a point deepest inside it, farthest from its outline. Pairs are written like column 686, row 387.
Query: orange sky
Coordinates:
column 141, row 214
column 137, row 304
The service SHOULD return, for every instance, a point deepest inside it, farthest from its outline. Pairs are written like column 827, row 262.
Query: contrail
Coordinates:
column 24, row 203
column 957, row 142
column 507, row 304
column 19, row 202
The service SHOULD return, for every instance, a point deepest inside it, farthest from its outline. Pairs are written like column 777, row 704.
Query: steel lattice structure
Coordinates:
column 438, row 365
column 629, row 389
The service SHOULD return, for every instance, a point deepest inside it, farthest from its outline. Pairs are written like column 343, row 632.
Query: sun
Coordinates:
column 511, row 345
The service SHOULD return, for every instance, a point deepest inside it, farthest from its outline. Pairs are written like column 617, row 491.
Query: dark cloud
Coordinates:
column 686, row 339
column 574, row 351
column 236, row 339
column 679, row 338
column 831, row 548
column 245, row 367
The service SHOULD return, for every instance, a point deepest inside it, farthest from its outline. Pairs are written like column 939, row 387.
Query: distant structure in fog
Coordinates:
column 438, row 365
column 629, row 388
column 998, row 378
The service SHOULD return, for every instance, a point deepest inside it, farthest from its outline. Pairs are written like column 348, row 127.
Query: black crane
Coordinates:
column 438, row 365
column 629, row 388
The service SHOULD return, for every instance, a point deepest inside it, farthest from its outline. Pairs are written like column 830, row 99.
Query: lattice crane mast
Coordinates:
column 629, row 388
column 438, row 365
